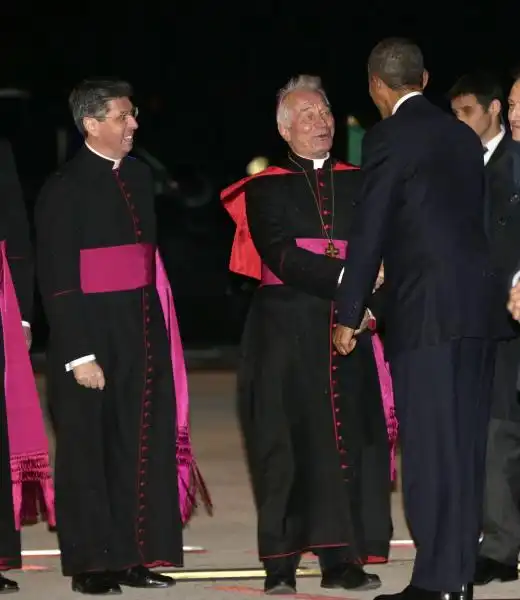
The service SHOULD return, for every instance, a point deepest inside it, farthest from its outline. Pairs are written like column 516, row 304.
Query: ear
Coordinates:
column 495, row 108
column 284, row 132
column 91, row 126
column 425, row 78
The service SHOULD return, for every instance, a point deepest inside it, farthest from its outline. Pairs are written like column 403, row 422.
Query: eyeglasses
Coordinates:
column 123, row 116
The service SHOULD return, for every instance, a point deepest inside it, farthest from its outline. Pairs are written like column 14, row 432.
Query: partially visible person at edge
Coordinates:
column 313, row 422
column 477, row 100
column 117, row 382
column 25, row 474
column 421, row 210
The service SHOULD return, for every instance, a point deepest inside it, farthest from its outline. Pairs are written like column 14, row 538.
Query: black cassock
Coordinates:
column 313, row 421
column 116, row 476
column 14, row 229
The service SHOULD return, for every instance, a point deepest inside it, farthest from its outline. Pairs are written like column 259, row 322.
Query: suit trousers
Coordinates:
column 442, row 399
column 501, row 528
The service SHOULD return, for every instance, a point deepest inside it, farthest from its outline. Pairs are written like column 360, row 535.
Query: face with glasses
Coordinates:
column 113, row 133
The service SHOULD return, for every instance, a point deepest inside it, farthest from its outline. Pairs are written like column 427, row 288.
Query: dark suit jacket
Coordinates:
column 14, row 228
column 421, row 209
column 503, row 212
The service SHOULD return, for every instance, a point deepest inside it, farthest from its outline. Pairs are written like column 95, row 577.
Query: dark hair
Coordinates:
column 90, row 98
column 398, row 62
column 483, row 85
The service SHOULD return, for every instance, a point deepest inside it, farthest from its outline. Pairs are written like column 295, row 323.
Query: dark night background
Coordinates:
column 205, row 78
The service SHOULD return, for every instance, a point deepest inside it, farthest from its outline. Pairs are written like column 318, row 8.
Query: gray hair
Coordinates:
column 310, row 83
column 91, row 96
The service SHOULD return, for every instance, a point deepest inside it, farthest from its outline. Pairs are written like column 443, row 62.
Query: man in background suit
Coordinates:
column 476, row 100
column 421, row 211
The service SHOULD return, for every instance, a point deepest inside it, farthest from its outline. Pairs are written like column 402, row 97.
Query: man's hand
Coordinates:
column 344, row 340
column 513, row 306
column 90, row 375
column 28, row 336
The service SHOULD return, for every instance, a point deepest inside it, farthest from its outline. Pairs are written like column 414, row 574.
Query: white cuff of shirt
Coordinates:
column 516, row 279
column 79, row 361
column 341, row 276
column 26, row 324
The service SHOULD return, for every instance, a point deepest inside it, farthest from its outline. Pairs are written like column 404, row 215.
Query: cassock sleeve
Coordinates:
column 18, row 240
column 381, row 173
column 58, row 268
column 315, row 274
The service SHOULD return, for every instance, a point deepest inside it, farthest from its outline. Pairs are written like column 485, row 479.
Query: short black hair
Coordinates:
column 482, row 84
column 398, row 62
column 90, row 98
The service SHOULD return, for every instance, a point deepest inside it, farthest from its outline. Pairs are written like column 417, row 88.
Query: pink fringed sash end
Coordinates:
column 33, row 490
column 387, row 394
column 191, row 483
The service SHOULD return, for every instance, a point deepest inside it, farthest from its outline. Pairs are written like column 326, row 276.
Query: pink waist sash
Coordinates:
column 117, row 268
column 314, row 245
column 318, row 246
column 130, row 267
column 32, row 486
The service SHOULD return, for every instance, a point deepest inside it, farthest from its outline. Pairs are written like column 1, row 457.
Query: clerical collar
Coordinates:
column 116, row 161
column 317, row 163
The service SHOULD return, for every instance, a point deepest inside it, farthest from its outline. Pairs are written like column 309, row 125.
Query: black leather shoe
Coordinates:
column 415, row 593
column 279, row 585
column 489, row 570
column 349, row 577
column 95, row 584
column 8, row 586
column 141, row 577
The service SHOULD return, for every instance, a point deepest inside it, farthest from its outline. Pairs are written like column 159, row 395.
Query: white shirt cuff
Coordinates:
column 341, row 276
column 79, row 361
column 26, row 324
column 516, row 279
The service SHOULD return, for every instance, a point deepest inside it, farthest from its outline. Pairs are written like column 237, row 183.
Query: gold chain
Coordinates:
column 325, row 232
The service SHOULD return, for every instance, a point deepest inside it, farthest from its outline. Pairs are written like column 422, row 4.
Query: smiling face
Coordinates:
column 308, row 124
column 113, row 134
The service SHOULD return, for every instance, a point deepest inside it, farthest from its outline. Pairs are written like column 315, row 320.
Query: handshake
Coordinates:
column 344, row 338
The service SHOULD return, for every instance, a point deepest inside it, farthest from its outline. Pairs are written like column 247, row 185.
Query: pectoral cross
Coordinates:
column 331, row 250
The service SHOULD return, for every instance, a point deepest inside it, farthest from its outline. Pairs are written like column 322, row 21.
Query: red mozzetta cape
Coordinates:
column 244, row 257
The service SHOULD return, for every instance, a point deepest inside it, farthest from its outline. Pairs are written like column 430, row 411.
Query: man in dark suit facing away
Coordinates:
column 421, row 210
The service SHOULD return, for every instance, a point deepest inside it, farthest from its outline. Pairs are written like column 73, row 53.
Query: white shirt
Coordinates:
column 404, row 99
column 492, row 145
column 90, row 357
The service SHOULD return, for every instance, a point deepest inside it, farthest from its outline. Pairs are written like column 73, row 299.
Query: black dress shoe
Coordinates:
column 489, row 570
column 95, row 584
column 141, row 577
column 279, row 585
column 8, row 586
column 349, row 577
column 415, row 593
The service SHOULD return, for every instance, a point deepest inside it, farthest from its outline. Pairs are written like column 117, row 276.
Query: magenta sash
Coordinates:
column 32, row 486
column 130, row 267
column 318, row 246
